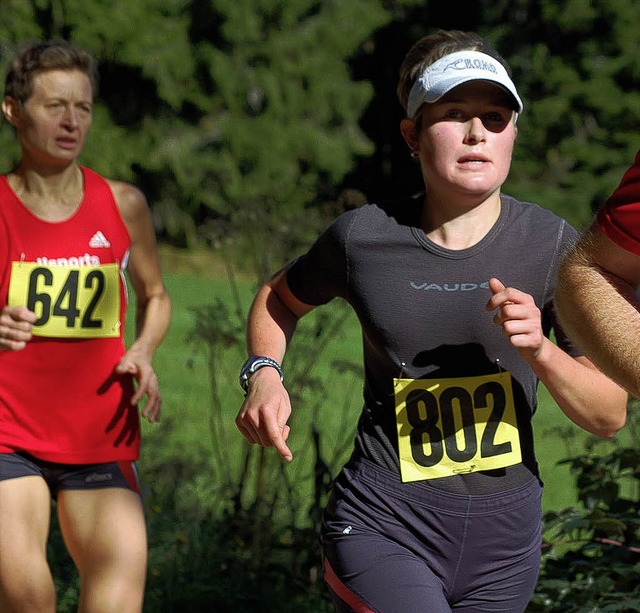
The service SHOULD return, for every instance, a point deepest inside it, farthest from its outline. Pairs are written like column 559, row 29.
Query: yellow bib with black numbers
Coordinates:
column 70, row 302
column 456, row 426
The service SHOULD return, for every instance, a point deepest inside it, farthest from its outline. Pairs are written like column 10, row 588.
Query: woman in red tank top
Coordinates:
column 69, row 388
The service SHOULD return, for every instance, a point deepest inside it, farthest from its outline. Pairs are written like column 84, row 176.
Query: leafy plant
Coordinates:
column 592, row 561
column 224, row 512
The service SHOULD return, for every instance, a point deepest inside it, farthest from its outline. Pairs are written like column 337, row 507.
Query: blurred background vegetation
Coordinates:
column 250, row 124
column 245, row 120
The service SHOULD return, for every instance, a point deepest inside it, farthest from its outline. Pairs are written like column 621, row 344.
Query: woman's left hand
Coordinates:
column 518, row 316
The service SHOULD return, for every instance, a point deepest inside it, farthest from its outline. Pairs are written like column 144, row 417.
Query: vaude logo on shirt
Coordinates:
column 448, row 287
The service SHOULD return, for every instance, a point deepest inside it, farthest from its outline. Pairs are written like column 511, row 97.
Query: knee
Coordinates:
column 113, row 591
column 27, row 594
column 115, row 601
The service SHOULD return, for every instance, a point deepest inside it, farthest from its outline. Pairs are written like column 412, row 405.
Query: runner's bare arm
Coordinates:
column 587, row 396
column 272, row 320
column 153, row 304
column 598, row 306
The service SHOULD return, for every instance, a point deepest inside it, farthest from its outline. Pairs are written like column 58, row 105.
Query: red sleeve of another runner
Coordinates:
column 619, row 217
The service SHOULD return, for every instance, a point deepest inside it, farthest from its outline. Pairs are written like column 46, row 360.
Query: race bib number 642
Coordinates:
column 455, row 426
column 70, row 302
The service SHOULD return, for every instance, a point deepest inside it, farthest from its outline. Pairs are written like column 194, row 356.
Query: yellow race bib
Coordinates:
column 449, row 427
column 70, row 302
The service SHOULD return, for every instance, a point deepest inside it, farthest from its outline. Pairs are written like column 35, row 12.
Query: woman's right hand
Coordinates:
column 263, row 417
column 16, row 323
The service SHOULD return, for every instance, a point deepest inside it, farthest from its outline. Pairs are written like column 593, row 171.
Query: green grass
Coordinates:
column 187, row 428
column 556, row 438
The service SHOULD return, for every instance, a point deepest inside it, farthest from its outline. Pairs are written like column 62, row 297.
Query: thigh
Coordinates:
column 25, row 578
column 367, row 572
column 501, row 561
column 505, row 589
column 102, row 523
column 25, row 508
column 104, row 530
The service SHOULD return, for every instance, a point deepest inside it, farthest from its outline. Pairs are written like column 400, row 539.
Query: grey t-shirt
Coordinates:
column 422, row 312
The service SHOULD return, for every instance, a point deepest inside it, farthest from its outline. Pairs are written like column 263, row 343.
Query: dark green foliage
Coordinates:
column 242, row 118
column 574, row 62
column 214, row 563
column 592, row 557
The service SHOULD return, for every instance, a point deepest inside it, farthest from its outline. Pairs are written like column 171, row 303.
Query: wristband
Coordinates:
column 254, row 363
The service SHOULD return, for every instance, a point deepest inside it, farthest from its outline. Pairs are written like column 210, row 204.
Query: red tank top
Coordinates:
column 59, row 398
column 619, row 217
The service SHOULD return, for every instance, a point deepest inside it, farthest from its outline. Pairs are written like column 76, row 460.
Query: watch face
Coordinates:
column 255, row 363
column 250, row 367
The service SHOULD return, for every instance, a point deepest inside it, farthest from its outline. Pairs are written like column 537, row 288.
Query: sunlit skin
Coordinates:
column 54, row 122
column 464, row 147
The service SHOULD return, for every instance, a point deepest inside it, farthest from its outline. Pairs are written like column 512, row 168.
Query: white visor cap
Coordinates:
column 453, row 70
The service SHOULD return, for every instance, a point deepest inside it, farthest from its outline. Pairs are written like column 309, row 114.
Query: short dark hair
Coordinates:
column 35, row 57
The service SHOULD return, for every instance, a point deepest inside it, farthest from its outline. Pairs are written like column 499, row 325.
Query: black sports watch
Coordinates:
column 256, row 362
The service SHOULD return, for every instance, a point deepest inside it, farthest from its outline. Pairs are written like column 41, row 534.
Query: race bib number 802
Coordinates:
column 449, row 427
column 70, row 302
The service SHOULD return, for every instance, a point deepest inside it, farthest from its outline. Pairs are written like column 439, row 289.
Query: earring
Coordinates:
column 415, row 153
